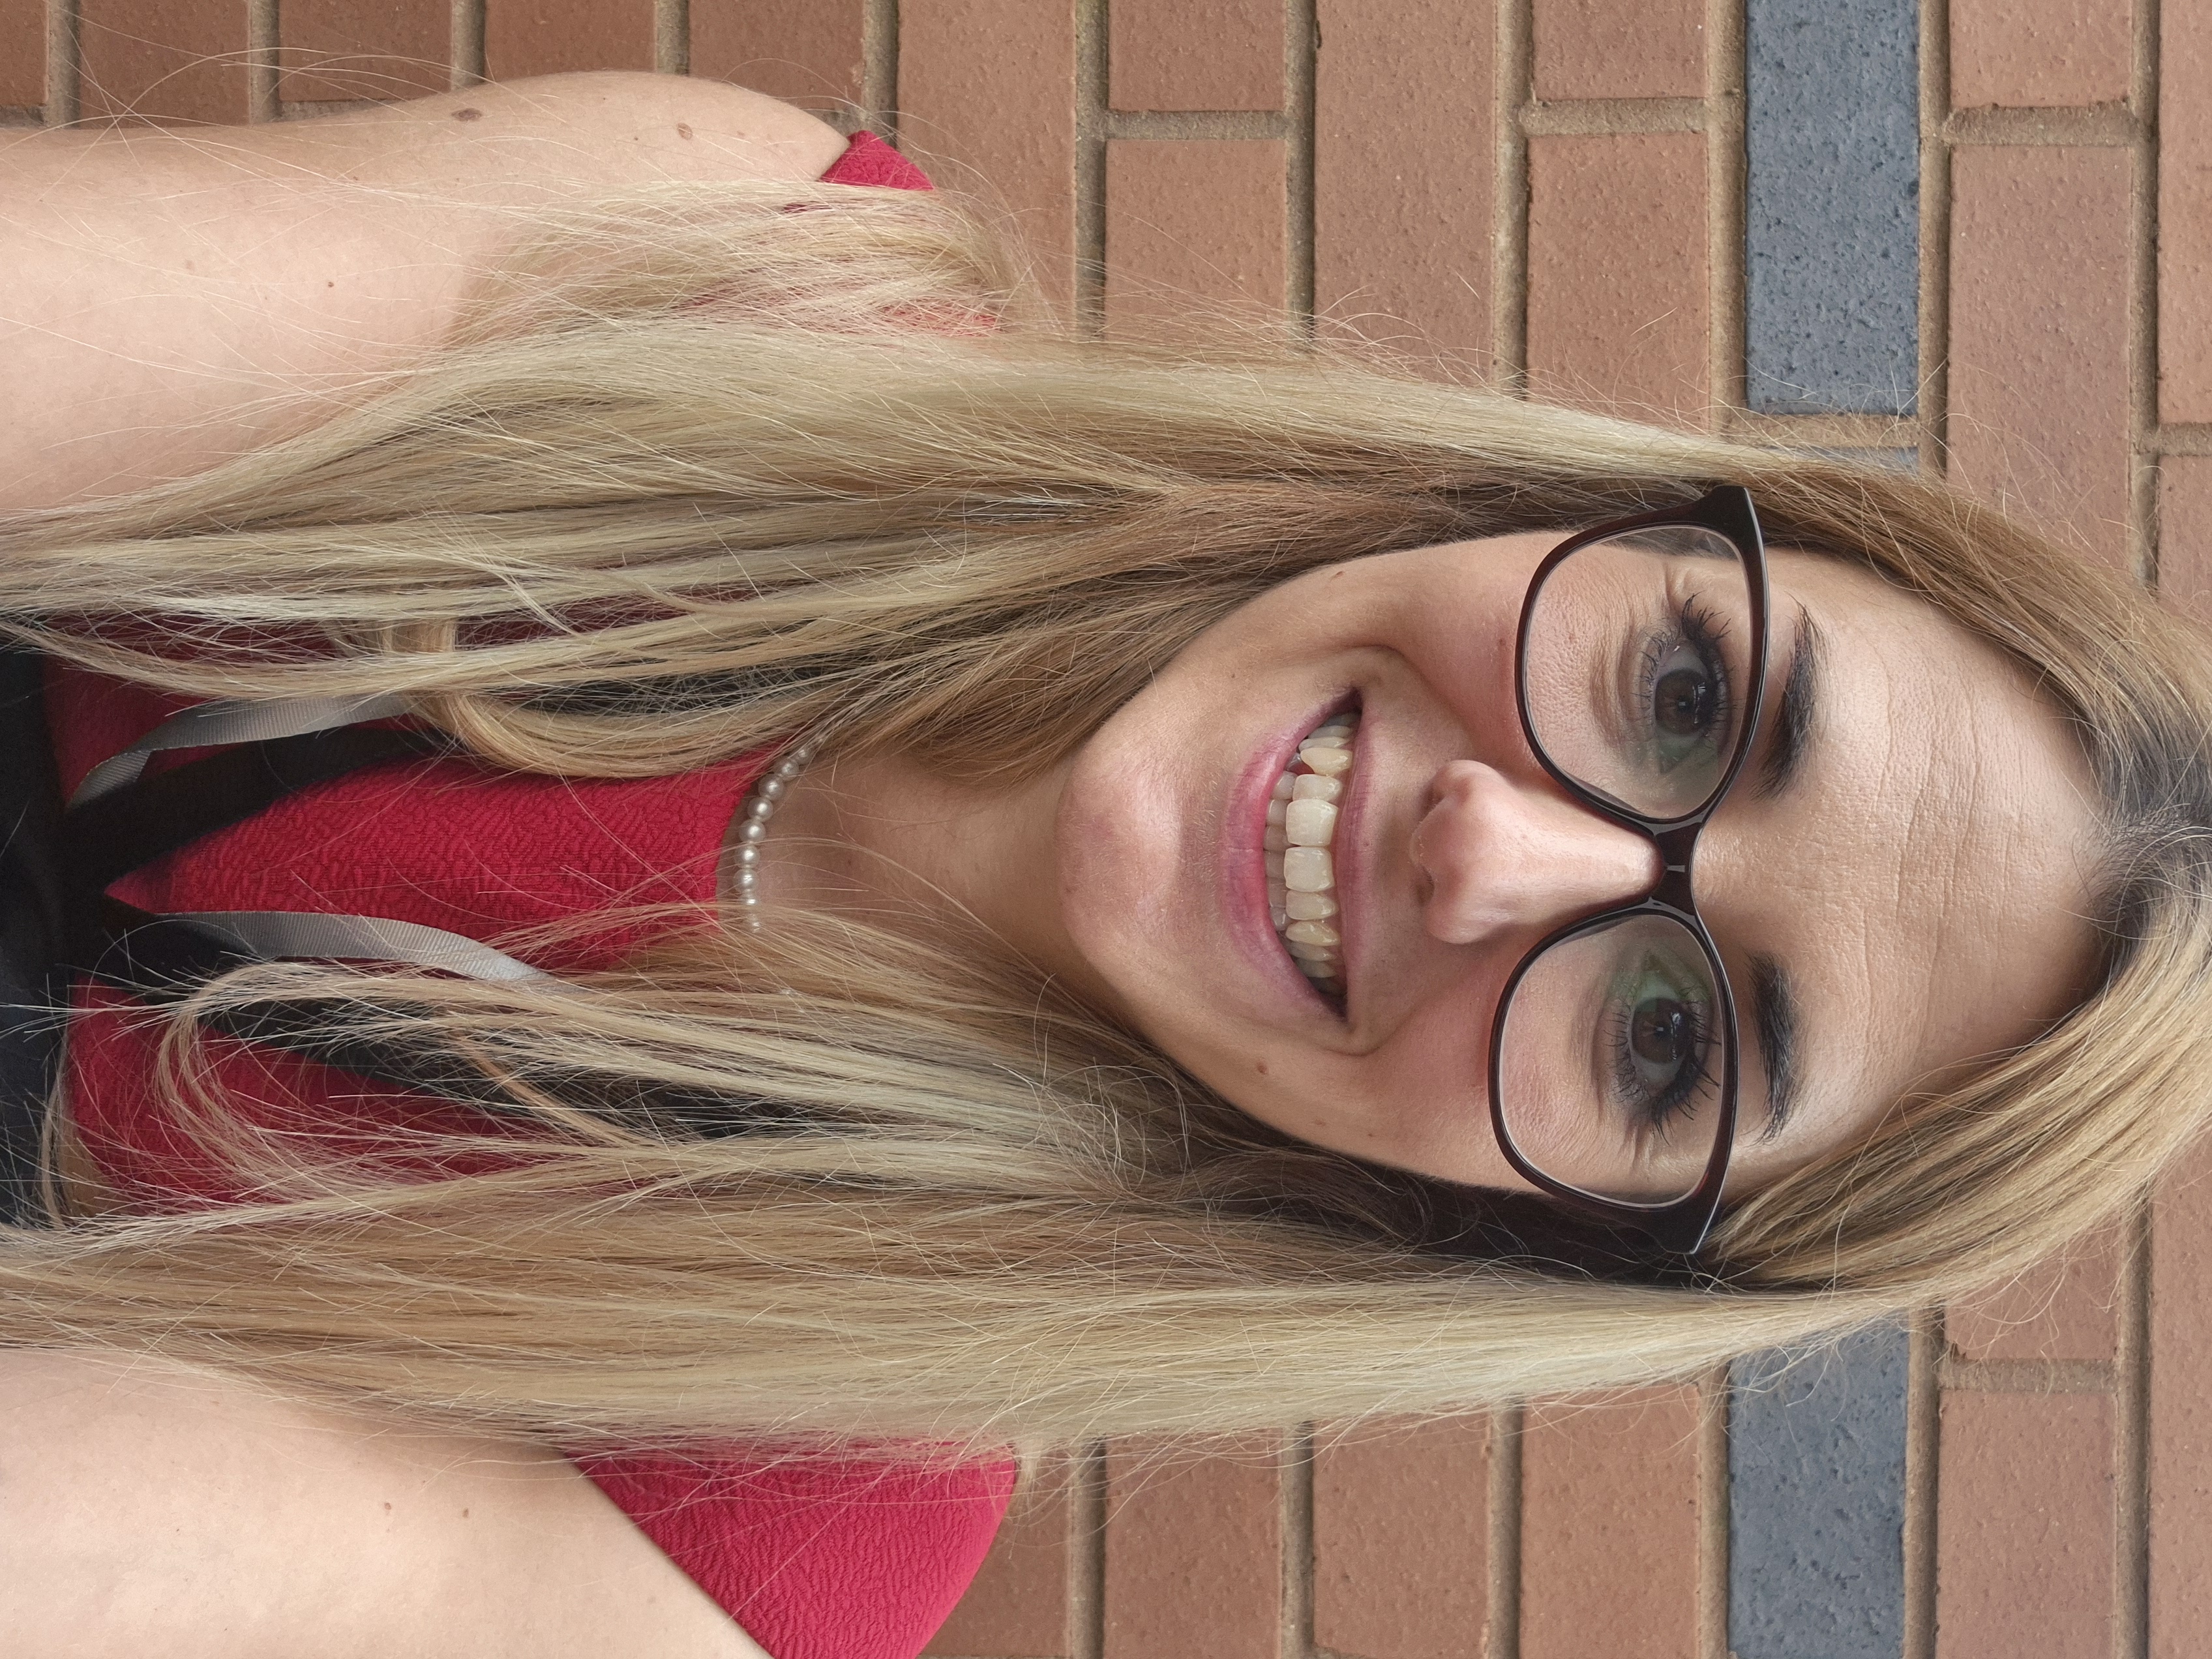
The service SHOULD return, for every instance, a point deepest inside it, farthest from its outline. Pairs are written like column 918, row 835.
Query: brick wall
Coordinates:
column 1944, row 234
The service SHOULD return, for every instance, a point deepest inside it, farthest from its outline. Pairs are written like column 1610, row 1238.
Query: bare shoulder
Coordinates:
column 660, row 125
column 609, row 129
column 185, row 294
column 605, row 128
column 146, row 1511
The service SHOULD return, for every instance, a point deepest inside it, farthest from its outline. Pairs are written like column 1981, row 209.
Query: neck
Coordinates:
column 887, row 835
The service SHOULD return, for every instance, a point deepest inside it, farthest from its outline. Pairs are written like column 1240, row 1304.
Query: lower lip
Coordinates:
column 1244, row 870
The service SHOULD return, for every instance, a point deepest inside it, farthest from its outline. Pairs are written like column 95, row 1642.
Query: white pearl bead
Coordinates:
column 759, row 807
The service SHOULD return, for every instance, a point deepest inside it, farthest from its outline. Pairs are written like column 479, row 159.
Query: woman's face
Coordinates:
column 1913, row 898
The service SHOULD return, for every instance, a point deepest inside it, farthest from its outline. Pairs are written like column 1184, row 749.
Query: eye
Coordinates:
column 1683, row 680
column 1683, row 700
column 1661, row 1042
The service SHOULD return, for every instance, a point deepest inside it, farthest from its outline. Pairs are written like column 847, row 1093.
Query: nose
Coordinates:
column 1503, row 856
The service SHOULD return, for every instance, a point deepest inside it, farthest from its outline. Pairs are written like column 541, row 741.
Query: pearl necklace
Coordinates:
column 759, row 807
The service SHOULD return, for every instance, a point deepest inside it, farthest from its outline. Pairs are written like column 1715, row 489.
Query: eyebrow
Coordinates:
column 1794, row 712
column 1774, row 1013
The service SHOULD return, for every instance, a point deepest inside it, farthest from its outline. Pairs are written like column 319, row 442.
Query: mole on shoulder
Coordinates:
column 683, row 129
column 468, row 115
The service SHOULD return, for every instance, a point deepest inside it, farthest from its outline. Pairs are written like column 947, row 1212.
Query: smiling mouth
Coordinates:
column 1302, row 819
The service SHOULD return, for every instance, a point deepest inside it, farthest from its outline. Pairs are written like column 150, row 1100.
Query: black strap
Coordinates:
column 128, row 828
column 31, row 920
column 165, row 958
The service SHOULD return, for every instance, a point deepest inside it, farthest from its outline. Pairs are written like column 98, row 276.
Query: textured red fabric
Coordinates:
column 869, row 160
column 816, row 1559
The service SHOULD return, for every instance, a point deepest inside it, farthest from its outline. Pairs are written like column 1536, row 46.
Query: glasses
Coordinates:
column 1641, row 674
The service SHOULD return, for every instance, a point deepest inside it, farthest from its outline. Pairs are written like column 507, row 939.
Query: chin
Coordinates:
column 1124, row 879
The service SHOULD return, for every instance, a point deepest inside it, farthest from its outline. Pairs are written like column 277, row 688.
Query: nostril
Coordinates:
column 1492, row 854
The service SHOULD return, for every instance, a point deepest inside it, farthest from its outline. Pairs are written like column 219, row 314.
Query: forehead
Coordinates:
column 1940, row 851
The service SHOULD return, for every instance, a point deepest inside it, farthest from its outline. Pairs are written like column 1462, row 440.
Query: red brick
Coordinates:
column 2180, row 1430
column 987, row 91
column 2040, row 239
column 1609, row 1529
column 22, row 53
column 1617, row 315
column 2066, row 1309
column 2185, row 534
column 1402, row 186
column 2185, row 211
column 2040, row 52
column 807, row 51
column 2024, row 1525
column 1017, row 1608
column 1188, row 221
column 552, row 37
column 337, row 49
column 1195, row 54
column 1193, row 1554
column 1402, row 1540
column 1620, row 48
column 164, row 60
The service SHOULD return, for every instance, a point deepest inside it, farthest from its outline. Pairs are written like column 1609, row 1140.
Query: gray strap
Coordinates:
column 280, row 933
column 230, row 721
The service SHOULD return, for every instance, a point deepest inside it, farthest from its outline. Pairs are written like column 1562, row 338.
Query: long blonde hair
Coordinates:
column 699, row 471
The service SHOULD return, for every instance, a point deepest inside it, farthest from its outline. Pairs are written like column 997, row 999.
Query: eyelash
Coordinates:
column 1659, row 1111
column 1695, row 626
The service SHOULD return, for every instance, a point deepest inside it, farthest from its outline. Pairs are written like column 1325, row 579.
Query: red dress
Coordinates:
column 815, row 1559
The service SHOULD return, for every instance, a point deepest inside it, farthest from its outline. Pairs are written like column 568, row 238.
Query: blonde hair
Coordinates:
column 700, row 471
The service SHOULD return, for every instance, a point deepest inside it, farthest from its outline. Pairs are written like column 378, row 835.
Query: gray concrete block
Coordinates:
column 1816, row 1503
column 1832, row 229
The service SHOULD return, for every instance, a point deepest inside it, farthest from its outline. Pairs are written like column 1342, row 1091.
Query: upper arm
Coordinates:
column 178, row 295
column 146, row 1511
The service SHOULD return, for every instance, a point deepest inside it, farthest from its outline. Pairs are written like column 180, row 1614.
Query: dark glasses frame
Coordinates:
column 1679, row 1225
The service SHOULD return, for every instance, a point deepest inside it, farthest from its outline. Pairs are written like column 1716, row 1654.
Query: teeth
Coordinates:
column 1301, row 831
column 1310, row 823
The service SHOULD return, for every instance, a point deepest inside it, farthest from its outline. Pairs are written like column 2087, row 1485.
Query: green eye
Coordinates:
column 1662, row 1039
column 1683, row 681
column 1683, row 701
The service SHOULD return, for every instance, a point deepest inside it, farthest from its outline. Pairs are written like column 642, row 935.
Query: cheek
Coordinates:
column 1418, row 1103
column 1462, row 654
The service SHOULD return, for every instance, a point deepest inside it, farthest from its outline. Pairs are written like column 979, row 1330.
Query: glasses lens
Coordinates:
column 1637, row 666
column 1612, row 1061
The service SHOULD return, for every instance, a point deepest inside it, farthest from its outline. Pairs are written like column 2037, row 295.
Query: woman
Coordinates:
column 1036, row 1082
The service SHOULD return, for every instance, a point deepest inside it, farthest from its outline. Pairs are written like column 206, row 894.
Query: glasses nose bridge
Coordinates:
column 1678, row 847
